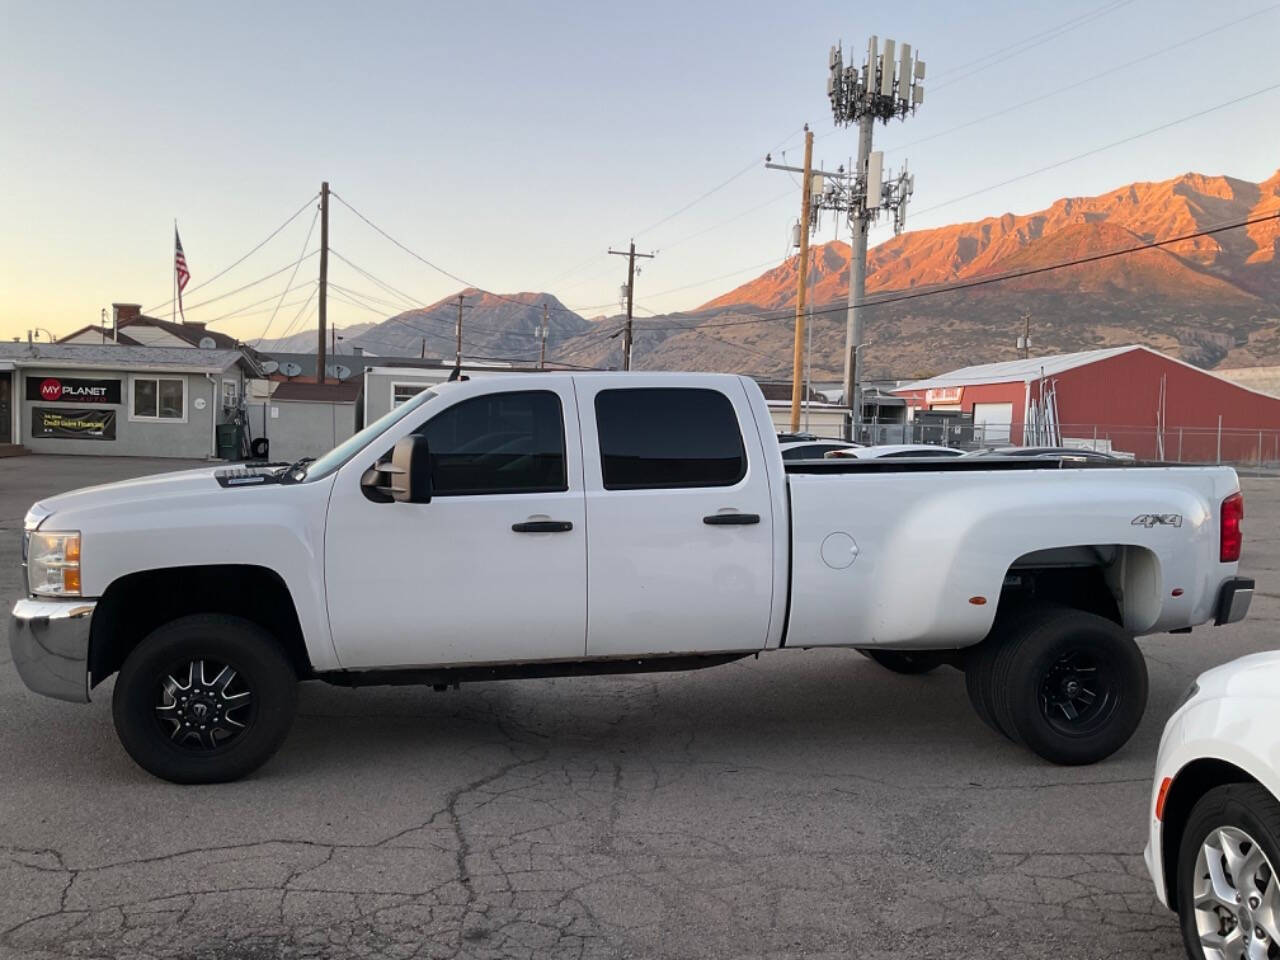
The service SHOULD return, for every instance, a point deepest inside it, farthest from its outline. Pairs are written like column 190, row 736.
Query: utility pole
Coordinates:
column 802, row 284
column 457, row 359
column 630, row 291
column 1024, row 341
column 324, row 277
column 542, row 354
column 862, row 97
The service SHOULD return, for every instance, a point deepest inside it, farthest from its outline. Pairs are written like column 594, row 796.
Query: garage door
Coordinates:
column 995, row 420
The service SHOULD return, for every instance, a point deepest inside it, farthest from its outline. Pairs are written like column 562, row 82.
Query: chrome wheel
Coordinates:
column 1237, row 903
column 204, row 705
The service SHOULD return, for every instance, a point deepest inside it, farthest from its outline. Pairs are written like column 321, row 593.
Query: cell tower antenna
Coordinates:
column 883, row 89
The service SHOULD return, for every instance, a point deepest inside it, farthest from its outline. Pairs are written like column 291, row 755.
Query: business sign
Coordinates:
column 49, row 424
column 67, row 390
column 944, row 395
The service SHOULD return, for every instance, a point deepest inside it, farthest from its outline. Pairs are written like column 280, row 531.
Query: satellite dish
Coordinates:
column 270, row 366
column 337, row 371
column 291, row 369
column 208, row 343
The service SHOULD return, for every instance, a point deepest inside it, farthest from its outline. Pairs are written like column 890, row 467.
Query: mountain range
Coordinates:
column 498, row 326
column 1212, row 300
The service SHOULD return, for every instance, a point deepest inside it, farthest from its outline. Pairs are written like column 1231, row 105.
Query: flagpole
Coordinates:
column 173, row 263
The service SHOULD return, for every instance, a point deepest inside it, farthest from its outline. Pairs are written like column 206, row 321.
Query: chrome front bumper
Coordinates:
column 50, row 644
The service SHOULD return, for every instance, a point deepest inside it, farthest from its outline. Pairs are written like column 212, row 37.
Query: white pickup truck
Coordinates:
column 556, row 524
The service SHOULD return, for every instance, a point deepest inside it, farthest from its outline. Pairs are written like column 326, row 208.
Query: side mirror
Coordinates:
column 409, row 473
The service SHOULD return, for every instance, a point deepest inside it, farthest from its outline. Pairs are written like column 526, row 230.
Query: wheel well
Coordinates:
column 1079, row 587
column 136, row 604
column 1192, row 782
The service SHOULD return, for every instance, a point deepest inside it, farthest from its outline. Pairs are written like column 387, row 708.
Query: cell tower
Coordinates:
column 883, row 89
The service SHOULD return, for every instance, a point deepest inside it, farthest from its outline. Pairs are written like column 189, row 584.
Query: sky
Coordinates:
column 511, row 144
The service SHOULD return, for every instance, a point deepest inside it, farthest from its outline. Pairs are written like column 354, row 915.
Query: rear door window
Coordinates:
column 654, row 437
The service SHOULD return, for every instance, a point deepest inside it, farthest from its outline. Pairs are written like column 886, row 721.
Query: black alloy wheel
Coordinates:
column 204, row 699
column 204, row 705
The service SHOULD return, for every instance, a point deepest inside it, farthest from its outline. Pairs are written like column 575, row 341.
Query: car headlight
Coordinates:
column 53, row 564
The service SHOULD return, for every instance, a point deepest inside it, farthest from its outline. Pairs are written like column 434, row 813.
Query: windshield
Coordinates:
column 344, row 451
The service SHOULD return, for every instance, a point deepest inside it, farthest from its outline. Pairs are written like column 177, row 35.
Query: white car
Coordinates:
column 1214, row 848
column 810, row 448
column 897, row 450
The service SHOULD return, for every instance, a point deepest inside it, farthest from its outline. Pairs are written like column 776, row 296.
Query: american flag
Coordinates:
column 180, row 268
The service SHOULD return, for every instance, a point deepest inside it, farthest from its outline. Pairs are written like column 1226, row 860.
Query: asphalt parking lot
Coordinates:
column 801, row 805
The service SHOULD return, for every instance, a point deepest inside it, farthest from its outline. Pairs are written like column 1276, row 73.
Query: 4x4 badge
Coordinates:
column 1150, row 520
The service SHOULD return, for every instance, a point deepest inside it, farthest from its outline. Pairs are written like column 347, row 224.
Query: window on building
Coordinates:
column 158, row 398
column 668, row 437
column 400, row 392
column 498, row 443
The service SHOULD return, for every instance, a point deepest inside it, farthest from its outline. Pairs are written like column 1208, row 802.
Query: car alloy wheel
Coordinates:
column 1236, row 897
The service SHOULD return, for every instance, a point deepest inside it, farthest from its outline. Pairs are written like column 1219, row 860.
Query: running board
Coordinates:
column 443, row 677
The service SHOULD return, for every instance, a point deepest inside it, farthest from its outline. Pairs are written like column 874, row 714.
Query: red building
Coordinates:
column 1127, row 399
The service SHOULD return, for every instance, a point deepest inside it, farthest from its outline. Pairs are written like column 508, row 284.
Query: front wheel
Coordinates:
column 204, row 699
column 1228, row 894
column 902, row 661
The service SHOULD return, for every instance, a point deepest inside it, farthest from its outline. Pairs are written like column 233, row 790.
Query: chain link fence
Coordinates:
column 1246, row 446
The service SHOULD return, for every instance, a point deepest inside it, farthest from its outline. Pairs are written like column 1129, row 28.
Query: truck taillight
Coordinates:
column 1232, row 535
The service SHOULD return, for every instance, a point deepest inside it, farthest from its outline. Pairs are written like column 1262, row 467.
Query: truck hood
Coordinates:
column 151, row 490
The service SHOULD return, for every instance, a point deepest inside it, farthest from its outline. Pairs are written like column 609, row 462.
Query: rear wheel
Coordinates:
column 204, row 699
column 1228, row 894
column 903, row 661
column 1070, row 685
column 979, row 670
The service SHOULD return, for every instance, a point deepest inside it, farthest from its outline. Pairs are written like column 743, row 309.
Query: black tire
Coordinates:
column 979, row 669
column 1245, row 807
column 1070, row 685
column 161, row 699
column 903, row 661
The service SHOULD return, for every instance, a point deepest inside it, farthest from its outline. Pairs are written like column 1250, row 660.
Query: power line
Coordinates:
column 355, row 298
column 241, row 314
column 1019, row 47
column 240, row 311
column 414, row 302
column 437, row 267
column 418, row 305
column 753, row 165
column 297, row 316
column 1086, row 80
column 301, row 256
column 676, row 213
column 772, row 262
column 226, row 270
column 998, row 278
column 1108, row 146
column 264, row 279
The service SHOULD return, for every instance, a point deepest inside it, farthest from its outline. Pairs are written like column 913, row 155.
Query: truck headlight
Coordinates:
column 53, row 564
